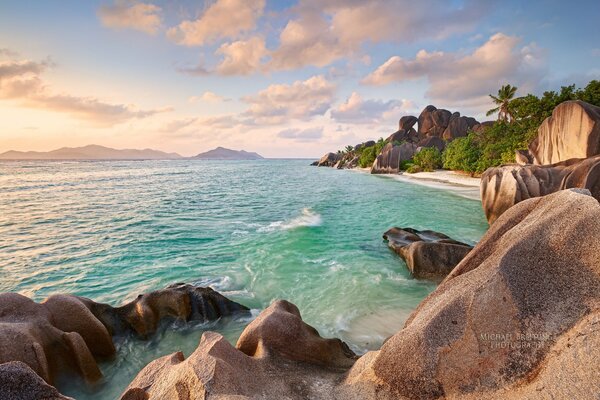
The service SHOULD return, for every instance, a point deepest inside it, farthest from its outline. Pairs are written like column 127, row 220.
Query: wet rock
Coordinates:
column 573, row 131
column 68, row 334
column 502, row 187
column 388, row 161
column 428, row 254
column 513, row 320
column 19, row 382
column 278, row 356
column 279, row 331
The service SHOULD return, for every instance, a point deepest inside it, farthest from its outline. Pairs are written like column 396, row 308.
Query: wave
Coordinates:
column 308, row 218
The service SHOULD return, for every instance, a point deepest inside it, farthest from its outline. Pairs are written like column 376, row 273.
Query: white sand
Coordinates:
column 462, row 185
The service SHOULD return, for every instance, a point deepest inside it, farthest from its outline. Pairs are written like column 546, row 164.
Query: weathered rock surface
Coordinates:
column 404, row 135
column 328, row 160
column 480, row 127
column 502, row 187
column 427, row 254
column 573, row 131
column 388, row 161
column 517, row 318
column 432, row 141
column 19, row 382
column 458, row 126
column 433, row 121
column 278, row 356
column 279, row 326
column 67, row 334
column 407, row 122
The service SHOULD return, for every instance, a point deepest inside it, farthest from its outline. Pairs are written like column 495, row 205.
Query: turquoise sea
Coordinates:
column 254, row 230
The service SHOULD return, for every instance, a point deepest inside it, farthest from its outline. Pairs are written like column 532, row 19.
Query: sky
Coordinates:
column 282, row 78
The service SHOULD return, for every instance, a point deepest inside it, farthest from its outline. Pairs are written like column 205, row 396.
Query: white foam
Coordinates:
column 308, row 218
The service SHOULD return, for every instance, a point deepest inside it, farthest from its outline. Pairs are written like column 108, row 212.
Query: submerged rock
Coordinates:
column 573, row 131
column 502, row 187
column 515, row 319
column 427, row 254
column 19, row 382
column 277, row 356
column 67, row 334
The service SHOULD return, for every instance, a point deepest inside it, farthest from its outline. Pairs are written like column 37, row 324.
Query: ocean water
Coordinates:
column 254, row 230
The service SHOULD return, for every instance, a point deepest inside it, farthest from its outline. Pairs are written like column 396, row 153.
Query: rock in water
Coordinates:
column 280, row 326
column 278, row 356
column 427, row 254
column 67, row 333
column 328, row 160
column 19, row 382
column 517, row 318
column 502, row 187
column 573, row 131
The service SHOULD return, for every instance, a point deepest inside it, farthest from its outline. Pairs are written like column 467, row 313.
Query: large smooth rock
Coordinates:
column 515, row 319
column 404, row 135
column 458, row 126
column 433, row 121
column 68, row 334
column 279, row 331
column 278, row 356
column 388, row 161
column 573, row 131
column 407, row 122
column 428, row 254
column 19, row 382
column 329, row 160
column 432, row 141
column 502, row 187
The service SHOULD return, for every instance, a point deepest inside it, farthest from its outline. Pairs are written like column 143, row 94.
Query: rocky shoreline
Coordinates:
column 515, row 316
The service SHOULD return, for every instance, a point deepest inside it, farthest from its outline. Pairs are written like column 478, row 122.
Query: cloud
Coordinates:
column 5, row 52
column 125, row 14
column 355, row 110
column 21, row 81
column 302, row 135
column 242, row 57
column 281, row 102
column 457, row 78
column 223, row 19
column 328, row 30
column 209, row 97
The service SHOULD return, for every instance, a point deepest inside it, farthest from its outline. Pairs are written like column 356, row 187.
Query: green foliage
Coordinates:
column 462, row 154
column 369, row 154
column 413, row 169
column 349, row 149
column 406, row 164
column 428, row 159
column 497, row 144
column 502, row 100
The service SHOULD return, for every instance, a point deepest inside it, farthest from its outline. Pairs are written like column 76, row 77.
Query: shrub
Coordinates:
column 462, row 154
column 428, row 159
column 404, row 165
column 413, row 169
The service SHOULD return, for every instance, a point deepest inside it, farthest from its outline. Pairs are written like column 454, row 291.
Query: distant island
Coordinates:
column 95, row 152
column 221, row 153
column 90, row 152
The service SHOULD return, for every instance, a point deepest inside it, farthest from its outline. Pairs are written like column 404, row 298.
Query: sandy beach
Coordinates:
column 460, row 184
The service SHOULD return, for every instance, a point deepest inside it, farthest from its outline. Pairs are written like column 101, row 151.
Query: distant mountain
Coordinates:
column 221, row 153
column 90, row 152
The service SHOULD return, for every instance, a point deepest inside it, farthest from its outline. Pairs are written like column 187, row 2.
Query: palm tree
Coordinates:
column 502, row 100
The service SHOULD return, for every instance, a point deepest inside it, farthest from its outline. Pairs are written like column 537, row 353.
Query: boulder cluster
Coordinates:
column 67, row 334
column 565, row 154
column 436, row 127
